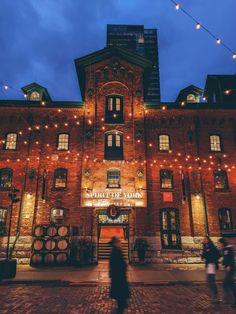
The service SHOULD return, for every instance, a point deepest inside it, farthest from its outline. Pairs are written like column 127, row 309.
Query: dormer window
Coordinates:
column 191, row 98
column 35, row 96
column 114, row 109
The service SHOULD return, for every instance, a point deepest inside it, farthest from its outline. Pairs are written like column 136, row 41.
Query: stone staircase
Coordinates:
column 104, row 249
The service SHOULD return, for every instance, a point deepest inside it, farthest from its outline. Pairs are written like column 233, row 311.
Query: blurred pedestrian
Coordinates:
column 211, row 256
column 229, row 264
column 118, row 268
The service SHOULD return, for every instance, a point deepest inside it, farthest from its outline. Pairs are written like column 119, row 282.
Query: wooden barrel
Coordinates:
column 61, row 258
column 63, row 231
column 49, row 258
column 62, row 244
column 51, row 231
column 36, row 258
column 38, row 244
column 39, row 231
column 50, row 244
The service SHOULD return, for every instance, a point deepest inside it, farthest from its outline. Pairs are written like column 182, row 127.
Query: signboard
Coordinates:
column 167, row 196
column 113, row 195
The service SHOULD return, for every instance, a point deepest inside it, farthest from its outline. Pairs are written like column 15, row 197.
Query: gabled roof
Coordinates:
column 36, row 87
column 191, row 89
column 106, row 53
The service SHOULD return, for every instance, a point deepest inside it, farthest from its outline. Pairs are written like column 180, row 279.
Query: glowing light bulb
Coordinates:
column 177, row 6
column 6, row 87
column 198, row 26
column 234, row 55
column 218, row 41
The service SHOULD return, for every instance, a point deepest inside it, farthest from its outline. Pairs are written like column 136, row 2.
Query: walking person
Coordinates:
column 229, row 264
column 118, row 268
column 211, row 256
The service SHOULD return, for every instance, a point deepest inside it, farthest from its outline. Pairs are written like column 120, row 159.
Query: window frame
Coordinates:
column 34, row 99
column 11, row 178
column 57, row 221
column 118, row 181
column 171, row 178
column 226, row 186
column 57, row 170
column 114, row 152
column 220, row 211
column 168, row 231
column 220, row 143
column 109, row 118
column 159, row 143
column 6, row 141
column 3, row 223
column 58, row 141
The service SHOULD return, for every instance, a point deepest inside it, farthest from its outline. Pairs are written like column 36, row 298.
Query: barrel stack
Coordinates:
column 50, row 246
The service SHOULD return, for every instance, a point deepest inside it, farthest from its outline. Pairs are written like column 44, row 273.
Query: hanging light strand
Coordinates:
column 199, row 26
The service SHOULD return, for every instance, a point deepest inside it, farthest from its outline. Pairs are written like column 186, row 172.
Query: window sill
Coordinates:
column 177, row 250
column 59, row 189
column 222, row 190
column 113, row 187
column 167, row 189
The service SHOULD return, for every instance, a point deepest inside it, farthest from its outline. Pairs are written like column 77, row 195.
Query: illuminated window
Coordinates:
column 5, row 178
column 34, row 96
column 221, row 180
column 113, row 146
column 225, row 219
column 191, row 98
column 11, row 141
column 164, row 142
column 114, row 109
column 113, row 178
column 215, row 143
column 3, row 220
column 60, row 178
column 57, row 215
column 170, row 229
column 63, row 141
column 166, row 179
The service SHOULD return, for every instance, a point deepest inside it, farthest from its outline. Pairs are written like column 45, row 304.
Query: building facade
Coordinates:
column 115, row 164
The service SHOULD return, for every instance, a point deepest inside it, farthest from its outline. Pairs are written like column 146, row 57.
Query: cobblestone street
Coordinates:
column 90, row 300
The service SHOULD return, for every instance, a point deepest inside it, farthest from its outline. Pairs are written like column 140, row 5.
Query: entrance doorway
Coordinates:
column 107, row 228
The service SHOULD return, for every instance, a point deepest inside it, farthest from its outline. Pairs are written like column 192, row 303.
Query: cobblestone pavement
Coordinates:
column 16, row 299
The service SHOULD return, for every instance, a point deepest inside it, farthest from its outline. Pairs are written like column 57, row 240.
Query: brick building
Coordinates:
column 168, row 169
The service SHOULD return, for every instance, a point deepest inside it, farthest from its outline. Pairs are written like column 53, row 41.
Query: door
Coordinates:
column 170, row 230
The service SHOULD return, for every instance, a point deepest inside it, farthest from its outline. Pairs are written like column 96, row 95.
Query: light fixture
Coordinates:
column 177, row 6
column 218, row 41
column 198, row 26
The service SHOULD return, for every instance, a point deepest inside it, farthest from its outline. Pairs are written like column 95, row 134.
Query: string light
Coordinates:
column 198, row 26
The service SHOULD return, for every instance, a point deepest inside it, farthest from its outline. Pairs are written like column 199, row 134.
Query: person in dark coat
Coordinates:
column 229, row 264
column 118, row 268
column 211, row 256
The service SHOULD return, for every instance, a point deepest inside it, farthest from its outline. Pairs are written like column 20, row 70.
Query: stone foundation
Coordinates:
column 22, row 250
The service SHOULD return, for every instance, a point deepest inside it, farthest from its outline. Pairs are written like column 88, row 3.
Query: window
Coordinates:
column 57, row 215
column 191, row 98
column 166, row 179
column 5, row 178
column 164, row 142
column 170, row 231
column 34, row 96
column 221, row 180
column 113, row 178
column 63, row 141
column 60, row 178
column 225, row 219
column 215, row 143
column 3, row 221
column 114, row 146
column 11, row 141
column 114, row 109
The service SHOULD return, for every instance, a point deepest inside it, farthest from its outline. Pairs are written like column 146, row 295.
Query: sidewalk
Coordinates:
column 158, row 274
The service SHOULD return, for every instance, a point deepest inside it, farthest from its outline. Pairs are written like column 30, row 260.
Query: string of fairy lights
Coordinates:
column 200, row 26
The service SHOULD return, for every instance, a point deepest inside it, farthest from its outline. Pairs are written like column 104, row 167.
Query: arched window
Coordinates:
column 164, row 142
column 3, row 220
column 11, row 141
column 114, row 146
column 63, row 141
column 5, row 178
column 34, row 96
column 60, row 178
column 170, row 229
column 113, row 178
column 215, row 143
column 114, row 109
column 191, row 98
column 225, row 219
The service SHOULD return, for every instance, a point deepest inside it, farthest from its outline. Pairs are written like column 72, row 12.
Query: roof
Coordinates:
column 225, row 81
column 36, row 87
column 109, row 52
column 191, row 89
column 38, row 104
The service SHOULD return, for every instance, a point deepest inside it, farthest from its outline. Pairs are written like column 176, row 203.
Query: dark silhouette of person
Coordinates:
column 118, row 268
column 229, row 264
column 211, row 256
